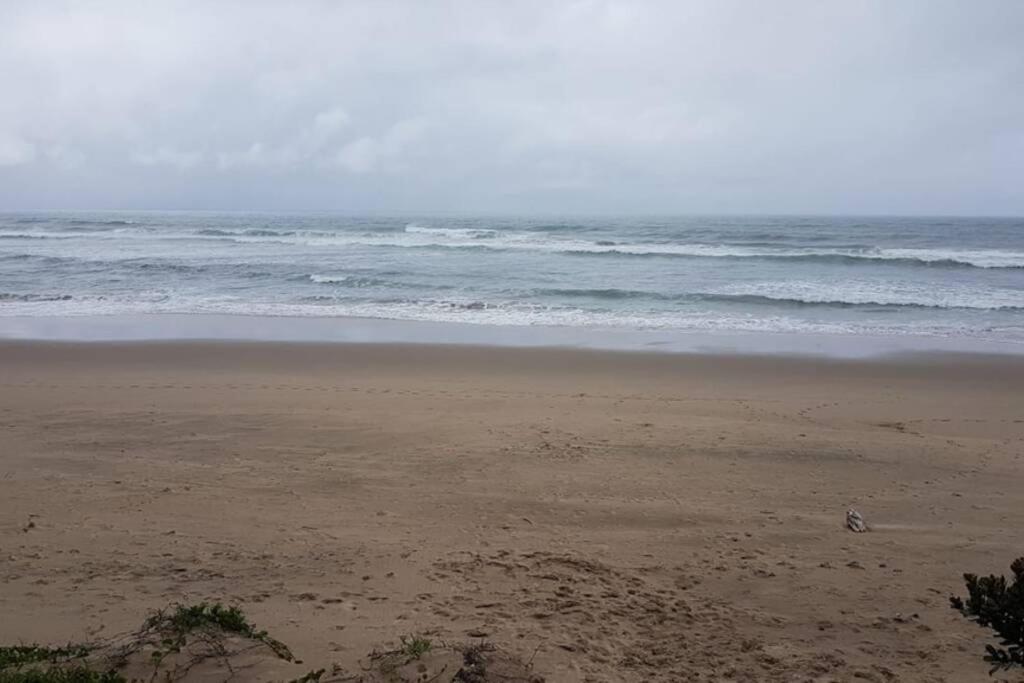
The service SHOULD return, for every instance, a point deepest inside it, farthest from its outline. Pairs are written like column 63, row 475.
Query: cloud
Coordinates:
column 367, row 154
column 563, row 105
column 168, row 156
column 304, row 145
column 15, row 151
column 327, row 123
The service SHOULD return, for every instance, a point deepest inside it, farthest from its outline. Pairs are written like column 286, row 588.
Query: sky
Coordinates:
column 872, row 106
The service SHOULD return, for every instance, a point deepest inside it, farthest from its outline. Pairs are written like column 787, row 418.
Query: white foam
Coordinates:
column 417, row 236
column 510, row 314
column 421, row 237
column 981, row 258
column 451, row 233
column 329, row 279
column 884, row 293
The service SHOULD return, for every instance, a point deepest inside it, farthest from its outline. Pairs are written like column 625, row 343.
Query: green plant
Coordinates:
column 19, row 655
column 206, row 623
column 311, row 677
column 415, row 646
column 60, row 674
column 192, row 634
column 41, row 664
column 994, row 602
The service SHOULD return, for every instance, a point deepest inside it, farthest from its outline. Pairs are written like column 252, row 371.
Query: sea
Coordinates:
column 668, row 277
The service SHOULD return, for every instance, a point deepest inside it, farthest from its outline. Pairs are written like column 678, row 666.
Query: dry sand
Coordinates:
column 616, row 517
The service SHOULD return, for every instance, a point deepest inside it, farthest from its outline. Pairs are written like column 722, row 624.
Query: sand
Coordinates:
column 609, row 516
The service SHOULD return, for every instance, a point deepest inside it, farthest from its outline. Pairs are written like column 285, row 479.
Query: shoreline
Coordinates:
column 189, row 353
column 258, row 328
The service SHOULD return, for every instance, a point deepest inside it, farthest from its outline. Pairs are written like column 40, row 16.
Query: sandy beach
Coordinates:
column 609, row 516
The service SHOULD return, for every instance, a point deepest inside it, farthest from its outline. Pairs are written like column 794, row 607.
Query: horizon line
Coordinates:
column 538, row 214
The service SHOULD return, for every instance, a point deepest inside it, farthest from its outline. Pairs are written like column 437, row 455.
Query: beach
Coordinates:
column 608, row 516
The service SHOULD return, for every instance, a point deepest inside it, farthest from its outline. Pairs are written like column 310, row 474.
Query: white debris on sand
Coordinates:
column 854, row 521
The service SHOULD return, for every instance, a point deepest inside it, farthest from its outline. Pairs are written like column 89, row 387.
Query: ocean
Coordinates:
column 852, row 276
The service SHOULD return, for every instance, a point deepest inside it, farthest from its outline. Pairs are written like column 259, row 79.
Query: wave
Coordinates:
column 879, row 302
column 870, row 295
column 601, row 293
column 458, row 233
column 362, row 281
column 111, row 222
column 500, row 313
column 472, row 238
column 348, row 280
column 21, row 236
column 7, row 296
column 330, row 279
column 421, row 237
column 161, row 266
column 990, row 259
column 253, row 232
column 560, row 227
column 812, row 295
column 59, row 234
column 265, row 232
column 39, row 258
column 79, row 224
column 490, row 239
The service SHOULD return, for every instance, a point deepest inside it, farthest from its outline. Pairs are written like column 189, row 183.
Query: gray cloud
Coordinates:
column 877, row 106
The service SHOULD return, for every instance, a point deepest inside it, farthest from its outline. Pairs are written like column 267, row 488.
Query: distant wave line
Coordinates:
column 765, row 299
column 415, row 237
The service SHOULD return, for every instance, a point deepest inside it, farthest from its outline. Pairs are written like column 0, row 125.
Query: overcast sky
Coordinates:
column 592, row 106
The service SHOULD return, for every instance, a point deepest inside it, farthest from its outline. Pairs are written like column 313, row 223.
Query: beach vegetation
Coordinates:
column 42, row 664
column 415, row 647
column 314, row 676
column 207, row 624
column 998, row 603
column 204, row 640
column 19, row 655
column 171, row 642
column 77, row 673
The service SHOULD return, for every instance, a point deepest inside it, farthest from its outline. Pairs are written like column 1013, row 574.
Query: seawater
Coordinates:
column 938, row 277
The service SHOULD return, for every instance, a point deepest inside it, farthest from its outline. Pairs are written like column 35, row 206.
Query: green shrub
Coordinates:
column 175, row 627
column 415, row 646
column 41, row 664
column 18, row 655
column 997, row 603
column 60, row 674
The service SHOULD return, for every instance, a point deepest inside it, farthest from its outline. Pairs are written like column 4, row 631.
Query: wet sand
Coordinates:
column 614, row 516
